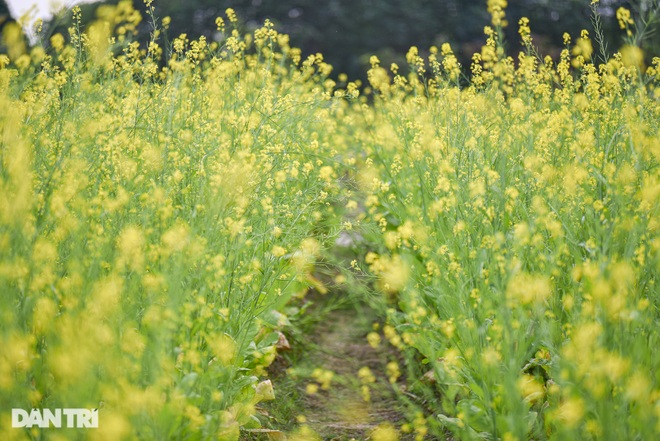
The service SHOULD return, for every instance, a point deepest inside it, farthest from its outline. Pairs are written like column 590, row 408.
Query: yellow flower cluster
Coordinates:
column 625, row 20
column 516, row 240
column 158, row 213
column 496, row 9
column 154, row 218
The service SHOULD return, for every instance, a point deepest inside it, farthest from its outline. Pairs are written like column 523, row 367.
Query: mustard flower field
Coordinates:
column 163, row 206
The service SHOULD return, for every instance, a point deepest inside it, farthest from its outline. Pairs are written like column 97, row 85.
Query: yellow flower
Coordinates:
column 278, row 251
column 531, row 388
column 224, row 348
column 374, row 339
column 496, row 9
column 231, row 15
column 525, row 289
column 384, row 432
column 632, row 56
column 393, row 371
column 571, row 412
column 624, row 18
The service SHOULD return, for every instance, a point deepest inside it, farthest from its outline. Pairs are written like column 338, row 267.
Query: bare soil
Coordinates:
column 337, row 343
column 340, row 345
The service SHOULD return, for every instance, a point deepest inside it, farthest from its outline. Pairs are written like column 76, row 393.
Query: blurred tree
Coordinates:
column 5, row 15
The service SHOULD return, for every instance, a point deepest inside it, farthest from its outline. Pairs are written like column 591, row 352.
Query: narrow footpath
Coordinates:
column 337, row 384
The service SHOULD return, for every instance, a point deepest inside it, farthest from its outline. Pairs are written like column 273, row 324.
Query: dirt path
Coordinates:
column 338, row 344
column 341, row 347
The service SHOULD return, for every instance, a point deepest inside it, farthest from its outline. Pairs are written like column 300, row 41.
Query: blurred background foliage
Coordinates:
column 347, row 32
column 5, row 16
